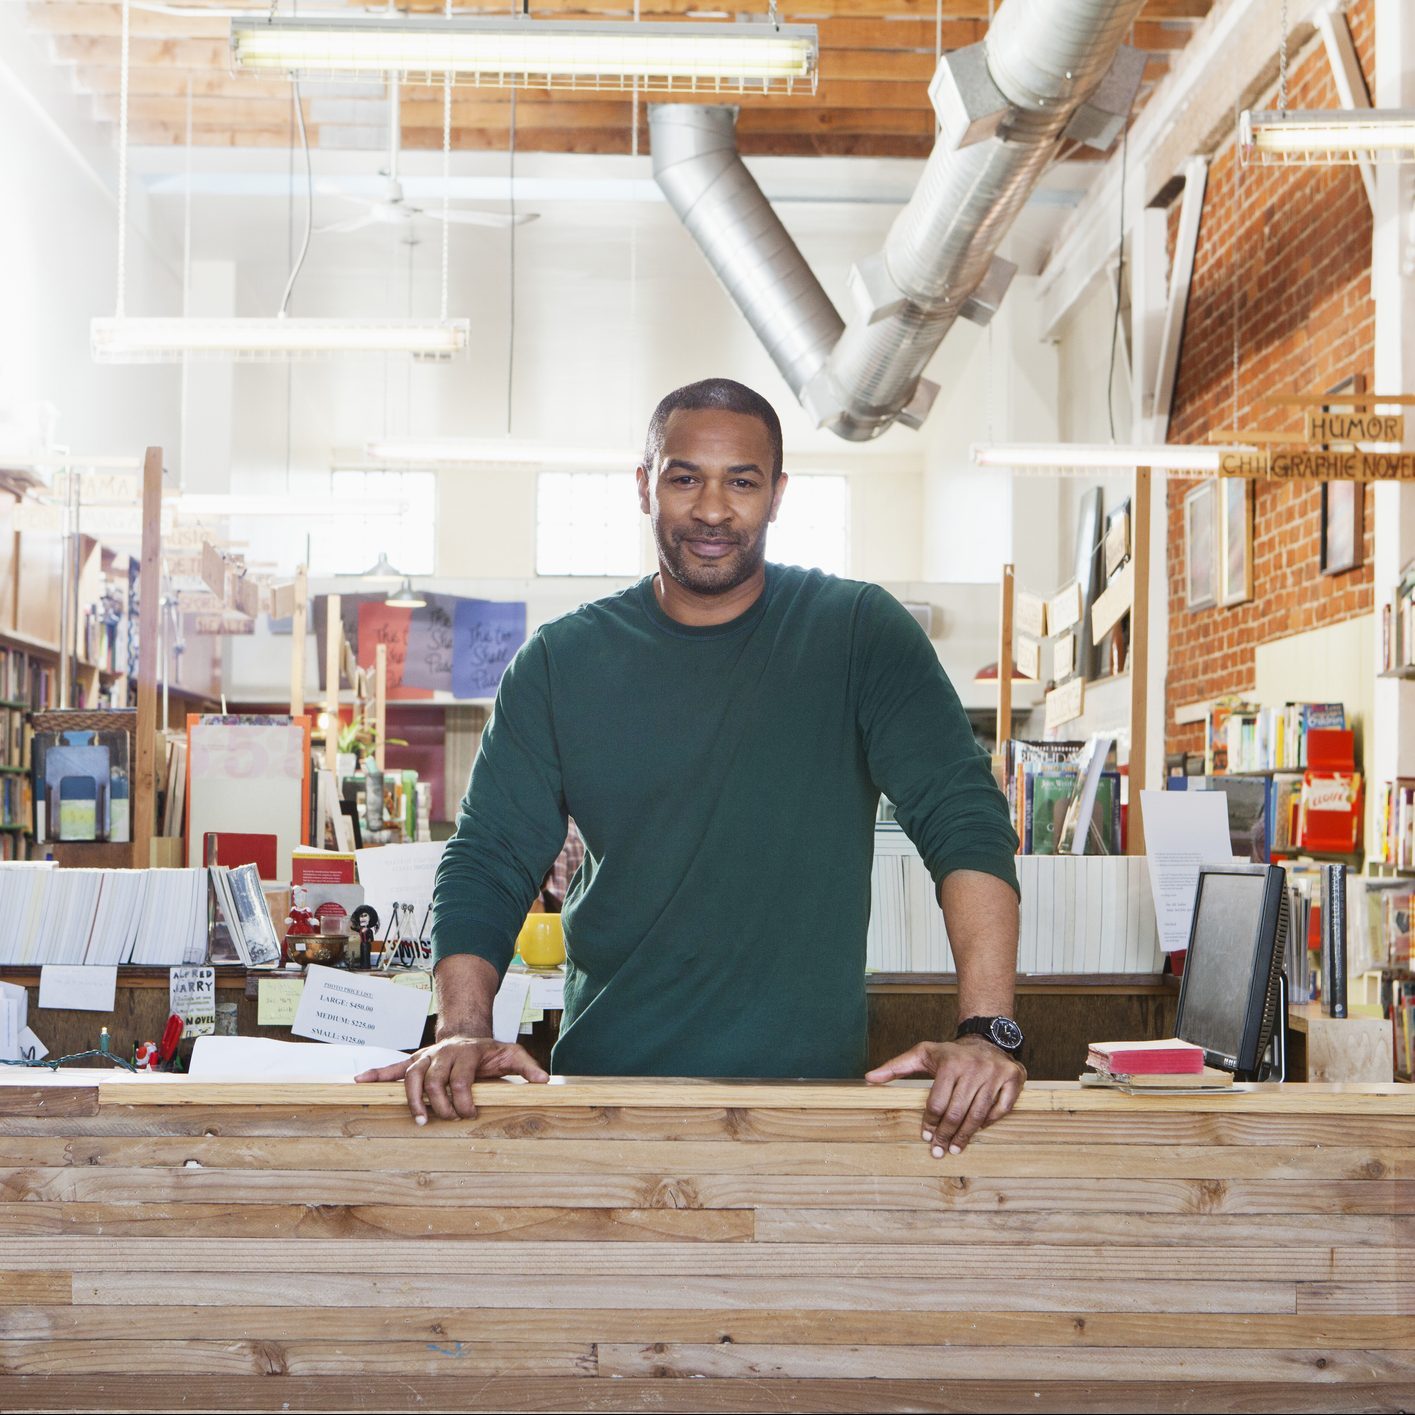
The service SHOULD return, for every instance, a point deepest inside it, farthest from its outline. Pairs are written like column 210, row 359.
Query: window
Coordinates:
column 813, row 526
column 587, row 523
column 349, row 545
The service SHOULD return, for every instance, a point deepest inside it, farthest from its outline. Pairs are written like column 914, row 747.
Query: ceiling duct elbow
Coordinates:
column 1044, row 71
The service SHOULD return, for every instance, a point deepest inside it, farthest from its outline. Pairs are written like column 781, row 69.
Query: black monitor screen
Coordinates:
column 1226, row 955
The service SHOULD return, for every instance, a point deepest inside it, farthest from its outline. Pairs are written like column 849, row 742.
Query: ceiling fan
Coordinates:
column 392, row 208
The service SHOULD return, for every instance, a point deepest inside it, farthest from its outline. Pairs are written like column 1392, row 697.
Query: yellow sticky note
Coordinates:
column 423, row 981
column 277, row 1000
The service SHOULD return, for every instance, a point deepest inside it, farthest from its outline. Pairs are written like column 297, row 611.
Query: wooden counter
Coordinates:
column 637, row 1245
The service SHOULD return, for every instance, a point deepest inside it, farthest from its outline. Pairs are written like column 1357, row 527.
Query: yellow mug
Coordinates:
column 541, row 942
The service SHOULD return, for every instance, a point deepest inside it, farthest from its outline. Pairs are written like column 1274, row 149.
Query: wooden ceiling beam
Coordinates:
column 102, row 17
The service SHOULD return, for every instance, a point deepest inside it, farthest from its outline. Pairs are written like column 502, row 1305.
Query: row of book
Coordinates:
column 1395, row 823
column 1079, row 914
column 16, row 845
column 1245, row 737
column 1398, row 997
column 16, row 800
column 1398, row 624
column 102, row 916
column 1045, row 783
column 14, row 736
column 27, row 679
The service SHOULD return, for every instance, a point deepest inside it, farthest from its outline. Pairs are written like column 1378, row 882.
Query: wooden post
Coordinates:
column 144, row 788
column 1004, row 664
column 380, row 702
column 1139, row 657
column 333, row 642
column 298, row 629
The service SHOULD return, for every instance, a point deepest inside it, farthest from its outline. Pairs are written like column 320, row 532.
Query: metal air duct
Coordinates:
column 1048, row 69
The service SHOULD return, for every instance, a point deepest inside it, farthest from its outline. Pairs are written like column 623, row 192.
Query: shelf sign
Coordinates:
column 1066, row 703
column 1301, row 464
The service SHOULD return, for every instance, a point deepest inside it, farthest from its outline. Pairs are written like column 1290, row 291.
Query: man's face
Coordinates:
column 711, row 498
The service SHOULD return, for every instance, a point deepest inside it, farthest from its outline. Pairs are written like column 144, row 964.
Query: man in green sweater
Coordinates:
column 721, row 733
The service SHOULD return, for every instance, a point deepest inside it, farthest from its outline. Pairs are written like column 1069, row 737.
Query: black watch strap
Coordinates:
column 1002, row 1032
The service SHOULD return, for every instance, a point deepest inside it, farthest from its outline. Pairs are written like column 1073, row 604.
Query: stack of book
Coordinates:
column 1168, row 1064
column 1043, row 779
column 1395, row 823
column 1398, row 624
column 1241, row 736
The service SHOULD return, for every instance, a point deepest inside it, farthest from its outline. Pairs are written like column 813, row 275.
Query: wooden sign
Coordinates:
column 98, row 485
column 1066, row 703
column 200, row 602
column 213, row 570
column 1305, row 465
column 282, row 600
column 1029, row 657
column 1063, row 658
column 184, row 537
column 246, row 595
column 1064, row 608
column 222, row 624
column 38, row 518
column 1117, row 540
column 1113, row 602
column 184, row 563
column 1355, row 427
column 1029, row 613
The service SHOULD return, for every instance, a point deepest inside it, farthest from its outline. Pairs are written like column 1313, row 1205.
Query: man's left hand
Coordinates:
column 975, row 1083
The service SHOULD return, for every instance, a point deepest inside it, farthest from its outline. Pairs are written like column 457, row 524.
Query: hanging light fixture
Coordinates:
column 1087, row 457
column 382, row 571
column 125, row 339
column 1336, row 137
column 497, row 52
column 405, row 596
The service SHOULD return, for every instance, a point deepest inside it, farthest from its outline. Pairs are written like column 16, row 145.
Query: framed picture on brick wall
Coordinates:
column 1235, row 499
column 1341, row 526
column 1201, row 563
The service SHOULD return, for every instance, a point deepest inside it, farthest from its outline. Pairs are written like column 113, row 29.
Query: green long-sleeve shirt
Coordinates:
column 725, row 780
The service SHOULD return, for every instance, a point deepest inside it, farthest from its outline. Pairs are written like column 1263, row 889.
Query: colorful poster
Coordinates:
column 485, row 637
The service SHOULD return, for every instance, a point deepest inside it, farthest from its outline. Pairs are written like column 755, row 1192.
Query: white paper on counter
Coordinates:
column 358, row 1009
column 509, row 1005
column 399, row 874
column 20, row 995
column 1183, row 830
column 81, row 987
column 31, row 1048
column 265, row 1059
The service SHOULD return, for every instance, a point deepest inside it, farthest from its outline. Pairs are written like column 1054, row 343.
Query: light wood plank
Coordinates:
column 376, row 1221
column 650, row 1191
column 530, row 1258
column 1350, row 1331
column 1381, row 1298
column 21, row 1287
column 569, row 1290
column 326, row 1355
column 1056, row 1097
column 847, row 1362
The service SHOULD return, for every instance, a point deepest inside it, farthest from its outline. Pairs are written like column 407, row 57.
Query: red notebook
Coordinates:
column 231, row 848
column 1169, row 1057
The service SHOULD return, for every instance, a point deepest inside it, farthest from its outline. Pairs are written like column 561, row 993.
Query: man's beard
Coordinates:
column 711, row 577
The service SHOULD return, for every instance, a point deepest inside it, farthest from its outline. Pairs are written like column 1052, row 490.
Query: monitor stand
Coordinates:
column 1273, row 1066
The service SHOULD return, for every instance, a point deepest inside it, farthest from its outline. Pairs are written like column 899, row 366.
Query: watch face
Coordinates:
column 1006, row 1033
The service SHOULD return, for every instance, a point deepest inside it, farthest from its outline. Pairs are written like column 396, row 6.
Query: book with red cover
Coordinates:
column 321, row 867
column 1331, row 749
column 1168, row 1057
column 234, row 849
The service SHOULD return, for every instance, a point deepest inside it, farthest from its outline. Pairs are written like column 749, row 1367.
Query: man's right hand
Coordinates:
column 440, row 1077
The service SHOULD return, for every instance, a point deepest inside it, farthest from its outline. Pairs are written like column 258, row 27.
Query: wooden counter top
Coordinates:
column 605, row 1244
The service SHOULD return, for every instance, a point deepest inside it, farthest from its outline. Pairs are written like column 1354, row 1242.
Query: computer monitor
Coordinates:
column 1230, row 995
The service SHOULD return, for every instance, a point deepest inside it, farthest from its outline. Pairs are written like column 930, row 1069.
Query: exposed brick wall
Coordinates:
column 1292, row 247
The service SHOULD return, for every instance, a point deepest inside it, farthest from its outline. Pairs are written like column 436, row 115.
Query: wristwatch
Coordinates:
column 1002, row 1032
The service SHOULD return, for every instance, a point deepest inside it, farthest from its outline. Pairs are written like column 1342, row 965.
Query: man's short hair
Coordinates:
column 723, row 395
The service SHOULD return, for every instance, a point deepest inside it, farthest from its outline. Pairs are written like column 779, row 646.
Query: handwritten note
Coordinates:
column 277, row 1000
column 1183, row 830
column 486, row 635
column 349, row 1007
column 399, row 874
column 191, row 993
column 78, row 987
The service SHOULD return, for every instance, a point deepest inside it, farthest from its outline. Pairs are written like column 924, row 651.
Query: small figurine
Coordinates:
column 365, row 922
column 145, row 1058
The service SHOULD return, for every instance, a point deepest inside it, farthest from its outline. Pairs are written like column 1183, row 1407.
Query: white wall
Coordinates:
column 58, row 241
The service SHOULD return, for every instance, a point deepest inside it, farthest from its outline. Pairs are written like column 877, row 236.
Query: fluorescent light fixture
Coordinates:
column 495, row 452
column 405, row 597
column 217, row 504
column 128, row 340
column 1079, row 456
column 497, row 52
column 1334, row 137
